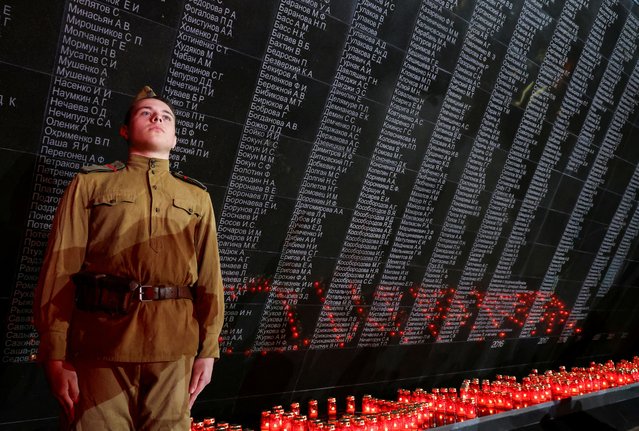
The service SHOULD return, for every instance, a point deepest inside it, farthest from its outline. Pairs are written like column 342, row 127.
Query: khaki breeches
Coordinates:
column 133, row 396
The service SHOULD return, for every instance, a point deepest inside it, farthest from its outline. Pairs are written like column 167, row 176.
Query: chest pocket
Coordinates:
column 113, row 212
column 113, row 199
column 187, row 207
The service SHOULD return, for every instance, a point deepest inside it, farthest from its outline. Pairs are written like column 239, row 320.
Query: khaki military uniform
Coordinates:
column 144, row 224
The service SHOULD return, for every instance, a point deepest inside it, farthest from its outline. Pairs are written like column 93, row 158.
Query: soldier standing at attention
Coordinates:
column 129, row 304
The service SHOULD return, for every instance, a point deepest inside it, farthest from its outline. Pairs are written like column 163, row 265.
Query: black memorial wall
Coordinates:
column 407, row 192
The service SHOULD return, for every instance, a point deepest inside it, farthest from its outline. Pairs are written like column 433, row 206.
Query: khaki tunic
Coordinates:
column 144, row 224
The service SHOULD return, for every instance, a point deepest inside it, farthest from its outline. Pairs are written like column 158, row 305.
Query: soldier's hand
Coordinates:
column 200, row 377
column 64, row 385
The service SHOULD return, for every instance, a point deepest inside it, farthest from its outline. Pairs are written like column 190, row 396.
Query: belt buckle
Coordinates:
column 141, row 293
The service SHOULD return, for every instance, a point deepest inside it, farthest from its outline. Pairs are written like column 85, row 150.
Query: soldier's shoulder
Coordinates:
column 189, row 180
column 108, row 167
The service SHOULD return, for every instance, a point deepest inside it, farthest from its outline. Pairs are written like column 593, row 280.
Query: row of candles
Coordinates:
column 420, row 410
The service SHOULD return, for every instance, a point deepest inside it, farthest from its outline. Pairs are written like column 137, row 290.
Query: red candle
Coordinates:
column 370, row 423
column 350, row 404
column 482, row 402
column 332, row 408
column 287, row 422
column 315, row 425
column 490, row 403
column 397, row 423
column 471, row 409
column 451, row 409
column 386, row 422
column 366, row 404
column 299, row 423
column 312, row 409
column 265, row 421
column 275, row 423
column 440, row 411
column 517, row 397
column 461, row 411
column 475, row 384
column 344, row 425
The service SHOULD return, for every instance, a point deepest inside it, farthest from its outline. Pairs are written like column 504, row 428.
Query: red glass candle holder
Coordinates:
column 332, row 408
column 265, row 421
column 312, row 409
column 350, row 404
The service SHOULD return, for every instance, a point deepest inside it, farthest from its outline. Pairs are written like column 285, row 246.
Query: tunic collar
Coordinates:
column 138, row 162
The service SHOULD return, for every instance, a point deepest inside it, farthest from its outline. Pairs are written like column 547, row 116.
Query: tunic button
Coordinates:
column 157, row 210
column 152, row 172
column 155, row 187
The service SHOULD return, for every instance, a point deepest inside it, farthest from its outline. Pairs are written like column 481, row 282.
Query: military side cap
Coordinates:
column 189, row 180
column 146, row 93
column 109, row 167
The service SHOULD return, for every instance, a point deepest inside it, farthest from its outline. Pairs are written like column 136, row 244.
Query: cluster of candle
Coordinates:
column 419, row 410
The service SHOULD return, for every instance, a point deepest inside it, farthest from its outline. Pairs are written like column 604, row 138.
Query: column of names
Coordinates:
column 489, row 232
column 624, row 51
column 331, row 157
column 486, row 21
column 252, row 190
column 512, row 76
column 617, row 225
column 430, row 36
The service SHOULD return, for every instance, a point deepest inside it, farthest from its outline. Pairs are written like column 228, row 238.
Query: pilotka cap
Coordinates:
column 146, row 93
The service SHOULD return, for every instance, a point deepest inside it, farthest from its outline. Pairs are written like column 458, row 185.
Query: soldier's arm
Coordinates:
column 200, row 377
column 63, row 380
column 209, row 303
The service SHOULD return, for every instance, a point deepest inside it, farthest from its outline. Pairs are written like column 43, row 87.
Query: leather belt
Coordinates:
column 117, row 295
column 154, row 293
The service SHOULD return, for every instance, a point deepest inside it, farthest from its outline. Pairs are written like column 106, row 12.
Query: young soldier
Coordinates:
column 129, row 303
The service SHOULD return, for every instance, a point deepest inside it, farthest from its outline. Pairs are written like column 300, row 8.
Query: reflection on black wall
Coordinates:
column 407, row 192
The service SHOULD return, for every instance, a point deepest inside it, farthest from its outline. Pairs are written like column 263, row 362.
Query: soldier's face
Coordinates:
column 151, row 129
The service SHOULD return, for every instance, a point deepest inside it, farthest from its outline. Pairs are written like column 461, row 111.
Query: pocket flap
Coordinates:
column 188, row 206
column 114, row 198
